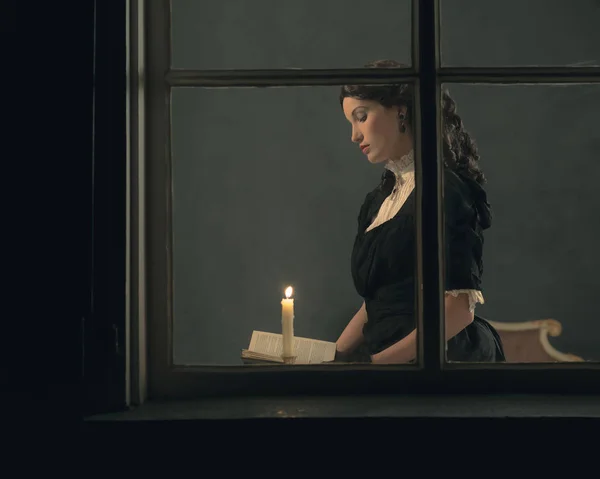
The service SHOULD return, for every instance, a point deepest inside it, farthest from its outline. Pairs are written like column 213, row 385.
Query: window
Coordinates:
column 227, row 69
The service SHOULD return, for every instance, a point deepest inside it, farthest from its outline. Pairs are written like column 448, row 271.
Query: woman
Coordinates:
column 383, row 329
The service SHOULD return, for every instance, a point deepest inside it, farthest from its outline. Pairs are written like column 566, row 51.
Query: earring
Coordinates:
column 402, row 125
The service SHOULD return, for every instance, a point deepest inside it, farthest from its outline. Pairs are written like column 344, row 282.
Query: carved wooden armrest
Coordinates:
column 528, row 341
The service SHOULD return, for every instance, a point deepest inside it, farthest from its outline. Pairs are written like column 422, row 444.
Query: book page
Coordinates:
column 307, row 351
column 268, row 344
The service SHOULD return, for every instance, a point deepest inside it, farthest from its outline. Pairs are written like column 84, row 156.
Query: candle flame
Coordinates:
column 288, row 292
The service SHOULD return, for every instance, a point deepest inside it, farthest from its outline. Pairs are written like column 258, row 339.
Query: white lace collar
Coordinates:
column 401, row 166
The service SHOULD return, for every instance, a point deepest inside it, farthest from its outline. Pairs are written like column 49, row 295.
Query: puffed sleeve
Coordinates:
column 463, row 241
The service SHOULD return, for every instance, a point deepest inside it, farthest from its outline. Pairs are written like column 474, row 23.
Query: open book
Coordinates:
column 267, row 347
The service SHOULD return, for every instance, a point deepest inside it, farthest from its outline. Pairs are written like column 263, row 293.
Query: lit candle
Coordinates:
column 287, row 323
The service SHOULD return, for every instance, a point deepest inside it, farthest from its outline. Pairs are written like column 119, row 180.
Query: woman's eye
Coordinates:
column 362, row 118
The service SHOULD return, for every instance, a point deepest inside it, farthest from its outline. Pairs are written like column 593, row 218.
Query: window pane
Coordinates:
column 271, row 34
column 267, row 190
column 538, row 148
column 517, row 33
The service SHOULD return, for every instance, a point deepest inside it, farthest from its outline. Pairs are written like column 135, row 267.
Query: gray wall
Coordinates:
column 267, row 184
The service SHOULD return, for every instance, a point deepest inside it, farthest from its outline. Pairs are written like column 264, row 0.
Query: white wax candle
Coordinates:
column 287, row 323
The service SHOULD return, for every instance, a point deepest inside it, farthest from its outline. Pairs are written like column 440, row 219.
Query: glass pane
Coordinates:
column 271, row 34
column 268, row 192
column 538, row 148
column 518, row 33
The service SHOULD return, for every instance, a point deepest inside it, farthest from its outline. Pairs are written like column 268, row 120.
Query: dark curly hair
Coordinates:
column 459, row 149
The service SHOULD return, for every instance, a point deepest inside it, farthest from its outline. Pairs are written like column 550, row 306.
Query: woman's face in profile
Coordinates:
column 375, row 129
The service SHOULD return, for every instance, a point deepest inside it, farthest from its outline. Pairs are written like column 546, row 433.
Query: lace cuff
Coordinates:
column 475, row 296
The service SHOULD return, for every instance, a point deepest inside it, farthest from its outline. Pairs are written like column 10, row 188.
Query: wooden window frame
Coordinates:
column 151, row 373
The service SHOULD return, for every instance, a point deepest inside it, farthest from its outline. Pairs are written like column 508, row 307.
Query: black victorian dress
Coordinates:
column 383, row 266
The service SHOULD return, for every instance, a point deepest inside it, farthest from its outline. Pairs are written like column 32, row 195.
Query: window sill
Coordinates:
column 363, row 407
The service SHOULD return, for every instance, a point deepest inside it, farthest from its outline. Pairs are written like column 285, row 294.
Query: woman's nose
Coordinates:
column 356, row 136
